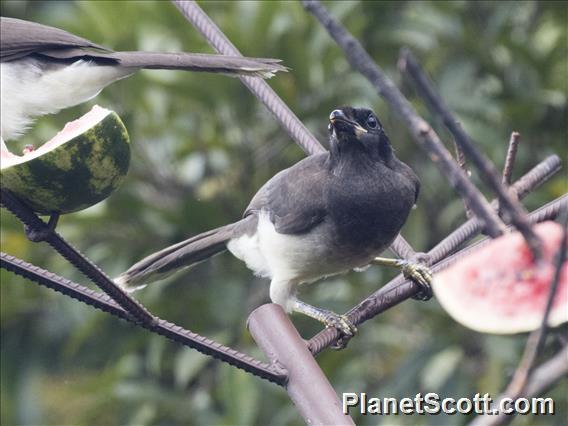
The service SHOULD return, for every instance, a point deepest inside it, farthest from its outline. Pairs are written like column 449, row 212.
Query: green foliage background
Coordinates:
column 202, row 145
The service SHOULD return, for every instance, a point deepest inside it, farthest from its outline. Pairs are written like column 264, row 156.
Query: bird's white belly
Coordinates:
column 28, row 90
column 298, row 258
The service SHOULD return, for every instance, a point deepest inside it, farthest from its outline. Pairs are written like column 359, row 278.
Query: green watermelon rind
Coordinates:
column 76, row 174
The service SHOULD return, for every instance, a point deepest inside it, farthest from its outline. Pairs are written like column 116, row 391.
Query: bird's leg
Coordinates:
column 42, row 234
column 417, row 272
column 330, row 319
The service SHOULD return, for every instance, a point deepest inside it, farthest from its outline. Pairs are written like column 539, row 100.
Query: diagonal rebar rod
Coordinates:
column 488, row 172
column 460, row 159
column 535, row 177
column 402, row 248
column 173, row 332
column 536, row 339
column 543, row 378
column 260, row 88
column 399, row 289
column 87, row 268
column 422, row 132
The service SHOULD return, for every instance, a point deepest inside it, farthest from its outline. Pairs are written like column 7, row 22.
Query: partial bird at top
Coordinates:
column 45, row 69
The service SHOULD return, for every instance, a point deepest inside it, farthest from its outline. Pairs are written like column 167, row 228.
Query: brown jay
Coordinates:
column 325, row 215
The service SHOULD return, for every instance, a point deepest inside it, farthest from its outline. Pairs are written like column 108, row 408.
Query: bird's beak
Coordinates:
column 339, row 121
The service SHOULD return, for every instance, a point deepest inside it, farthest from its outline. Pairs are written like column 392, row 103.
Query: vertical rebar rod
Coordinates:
column 307, row 385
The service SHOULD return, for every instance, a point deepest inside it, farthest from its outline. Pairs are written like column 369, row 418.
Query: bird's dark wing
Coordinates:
column 405, row 170
column 22, row 38
column 295, row 197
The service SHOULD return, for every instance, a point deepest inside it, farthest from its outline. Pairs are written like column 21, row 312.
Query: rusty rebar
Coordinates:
column 260, row 88
column 399, row 289
column 510, row 157
column 422, row 132
column 173, row 332
column 307, row 385
column 488, row 171
column 84, row 265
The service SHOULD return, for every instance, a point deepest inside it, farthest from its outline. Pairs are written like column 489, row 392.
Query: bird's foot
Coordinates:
column 330, row 319
column 421, row 275
column 345, row 327
column 412, row 270
column 37, row 235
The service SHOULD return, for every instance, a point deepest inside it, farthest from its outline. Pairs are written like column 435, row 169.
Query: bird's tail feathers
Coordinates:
column 235, row 65
column 184, row 254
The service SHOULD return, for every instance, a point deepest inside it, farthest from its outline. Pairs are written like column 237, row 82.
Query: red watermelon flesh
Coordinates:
column 499, row 289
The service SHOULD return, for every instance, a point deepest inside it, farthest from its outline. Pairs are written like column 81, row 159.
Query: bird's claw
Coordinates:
column 345, row 327
column 421, row 275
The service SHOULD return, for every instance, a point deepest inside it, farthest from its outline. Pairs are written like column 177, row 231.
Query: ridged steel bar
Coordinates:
column 422, row 132
column 84, row 265
column 172, row 331
column 256, row 85
column 260, row 88
column 488, row 171
column 400, row 289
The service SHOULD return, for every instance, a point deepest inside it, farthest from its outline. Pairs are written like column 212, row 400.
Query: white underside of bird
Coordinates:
column 287, row 260
column 30, row 90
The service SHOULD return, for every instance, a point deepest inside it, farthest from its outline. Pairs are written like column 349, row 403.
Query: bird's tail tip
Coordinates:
column 127, row 284
column 273, row 66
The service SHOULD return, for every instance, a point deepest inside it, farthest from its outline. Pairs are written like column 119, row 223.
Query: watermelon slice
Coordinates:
column 499, row 289
column 81, row 166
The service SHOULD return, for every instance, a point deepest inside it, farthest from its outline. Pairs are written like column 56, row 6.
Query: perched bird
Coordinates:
column 325, row 215
column 45, row 69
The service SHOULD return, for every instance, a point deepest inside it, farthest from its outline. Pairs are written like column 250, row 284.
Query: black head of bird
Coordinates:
column 358, row 130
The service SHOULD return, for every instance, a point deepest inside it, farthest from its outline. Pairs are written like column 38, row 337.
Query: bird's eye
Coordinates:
column 372, row 122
